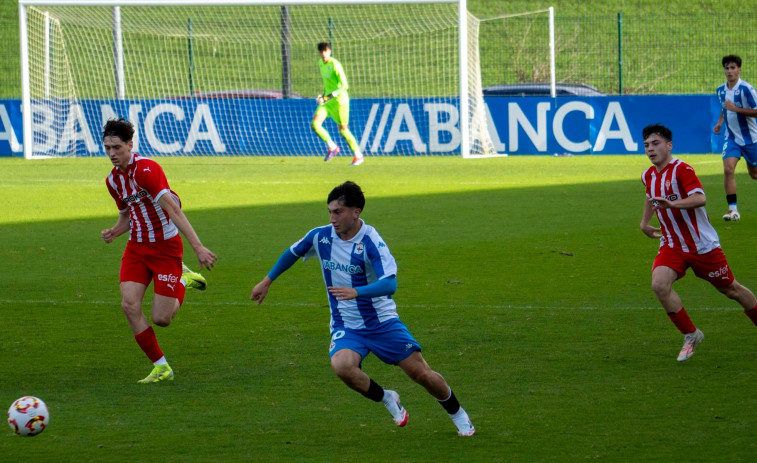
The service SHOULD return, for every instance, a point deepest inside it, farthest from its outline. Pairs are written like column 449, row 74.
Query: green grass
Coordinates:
column 525, row 279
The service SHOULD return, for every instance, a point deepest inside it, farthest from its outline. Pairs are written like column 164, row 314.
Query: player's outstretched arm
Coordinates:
column 204, row 255
column 121, row 227
column 284, row 262
column 260, row 291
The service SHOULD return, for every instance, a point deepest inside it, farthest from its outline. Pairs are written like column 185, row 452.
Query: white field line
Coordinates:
column 252, row 305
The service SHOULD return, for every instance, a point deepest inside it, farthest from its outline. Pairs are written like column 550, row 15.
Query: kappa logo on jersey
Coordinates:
column 722, row 272
column 325, row 240
column 135, row 196
column 381, row 244
column 359, row 248
column 170, row 278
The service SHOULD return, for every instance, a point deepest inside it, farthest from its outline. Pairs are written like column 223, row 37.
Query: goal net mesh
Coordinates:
column 242, row 79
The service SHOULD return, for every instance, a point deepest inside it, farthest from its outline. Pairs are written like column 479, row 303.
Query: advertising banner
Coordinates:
column 522, row 125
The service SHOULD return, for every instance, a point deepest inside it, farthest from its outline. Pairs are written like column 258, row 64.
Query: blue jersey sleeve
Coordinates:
column 304, row 247
column 285, row 261
column 383, row 287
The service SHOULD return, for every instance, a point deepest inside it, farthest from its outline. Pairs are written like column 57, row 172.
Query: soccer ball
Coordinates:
column 28, row 416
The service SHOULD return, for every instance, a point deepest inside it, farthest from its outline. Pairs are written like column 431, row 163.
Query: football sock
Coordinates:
column 149, row 344
column 682, row 321
column 731, row 199
column 450, row 403
column 351, row 141
column 375, row 392
column 322, row 133
column 161, row 361
column 752, row 314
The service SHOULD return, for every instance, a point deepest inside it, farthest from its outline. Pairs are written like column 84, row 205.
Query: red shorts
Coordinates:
column 158, row 262
column 712, row 266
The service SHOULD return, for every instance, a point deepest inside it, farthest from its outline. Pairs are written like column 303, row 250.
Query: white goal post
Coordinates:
column 238, row 77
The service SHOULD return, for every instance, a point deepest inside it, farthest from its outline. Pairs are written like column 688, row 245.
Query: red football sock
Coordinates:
column 682, row 321
column 149, row 344
column 752, row 314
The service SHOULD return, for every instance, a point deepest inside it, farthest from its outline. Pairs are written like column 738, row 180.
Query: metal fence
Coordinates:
column 621, row 53
column 10, row 63
column 618, row 53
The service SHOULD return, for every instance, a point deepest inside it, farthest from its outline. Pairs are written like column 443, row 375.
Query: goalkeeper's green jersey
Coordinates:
column 334, row 79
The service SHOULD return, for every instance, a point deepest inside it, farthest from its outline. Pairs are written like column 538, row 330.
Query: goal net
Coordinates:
column 240, row 77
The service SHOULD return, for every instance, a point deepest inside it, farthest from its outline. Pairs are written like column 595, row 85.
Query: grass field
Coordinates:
column 526, row 280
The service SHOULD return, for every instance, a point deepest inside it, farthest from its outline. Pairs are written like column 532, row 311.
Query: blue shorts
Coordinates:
column 748, row 152
column 391, row 342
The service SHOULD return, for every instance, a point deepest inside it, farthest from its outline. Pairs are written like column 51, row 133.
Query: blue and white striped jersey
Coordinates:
column 739, row 128
column 360, row 261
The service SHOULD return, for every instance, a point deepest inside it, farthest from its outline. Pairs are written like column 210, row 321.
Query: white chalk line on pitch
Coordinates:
column 400, row 306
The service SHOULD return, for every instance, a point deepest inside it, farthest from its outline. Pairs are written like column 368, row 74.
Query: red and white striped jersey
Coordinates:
column 138, row 191
column 688, row 230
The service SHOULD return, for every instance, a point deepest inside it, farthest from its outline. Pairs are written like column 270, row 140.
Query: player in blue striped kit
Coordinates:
column 739, row 102
column 360, row 275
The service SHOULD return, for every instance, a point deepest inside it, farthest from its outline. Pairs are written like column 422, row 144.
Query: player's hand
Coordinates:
column 716, row 129
column 651, row 231
column 658, row 203
column 730, row 106
column 342, row 293
column 320, row 99
column 260, row 291
column 206, row 258
column 108, row 235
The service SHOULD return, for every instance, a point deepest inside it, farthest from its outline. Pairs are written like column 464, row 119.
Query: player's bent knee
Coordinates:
column 660, row 288
column 131, row 308
column 342, row 371
column 161, row 320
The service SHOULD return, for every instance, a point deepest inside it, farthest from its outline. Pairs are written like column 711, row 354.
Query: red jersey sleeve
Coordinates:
column 645, row 182
column 149, row 175
column 688, row 180
column 122, row 206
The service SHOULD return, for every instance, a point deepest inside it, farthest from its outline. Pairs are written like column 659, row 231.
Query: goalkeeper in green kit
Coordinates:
column 334, row 103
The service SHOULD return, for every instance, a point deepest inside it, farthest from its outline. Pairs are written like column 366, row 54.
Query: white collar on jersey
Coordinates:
column 358, row 236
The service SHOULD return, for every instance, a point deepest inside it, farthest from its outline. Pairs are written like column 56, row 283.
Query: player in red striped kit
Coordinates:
column 151, row 212
column 687, row 239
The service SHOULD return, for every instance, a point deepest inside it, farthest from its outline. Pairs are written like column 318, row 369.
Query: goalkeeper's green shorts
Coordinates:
column 336, row 109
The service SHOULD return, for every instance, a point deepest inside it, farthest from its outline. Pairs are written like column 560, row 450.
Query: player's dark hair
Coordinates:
column 731, row 59
column 349, row 193
column 120, row 128
column 324, row 46
column 657, row 129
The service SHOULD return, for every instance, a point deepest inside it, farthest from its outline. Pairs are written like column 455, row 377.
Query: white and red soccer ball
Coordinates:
column 28, row 416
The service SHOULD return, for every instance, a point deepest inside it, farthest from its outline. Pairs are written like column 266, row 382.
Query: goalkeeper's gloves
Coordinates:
column 320, row 99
